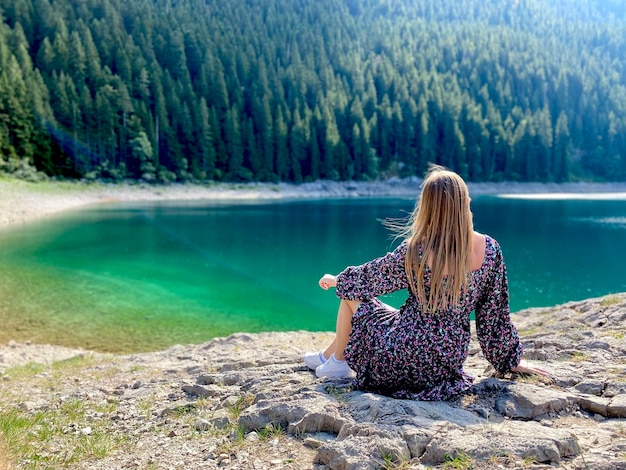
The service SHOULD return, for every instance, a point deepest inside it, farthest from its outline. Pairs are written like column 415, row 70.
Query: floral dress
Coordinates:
column 408, row 353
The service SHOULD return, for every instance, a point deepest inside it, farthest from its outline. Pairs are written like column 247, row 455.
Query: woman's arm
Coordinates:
column 373, row 279
column 497, row 335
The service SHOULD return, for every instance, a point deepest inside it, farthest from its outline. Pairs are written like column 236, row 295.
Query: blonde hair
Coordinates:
column 440, row 232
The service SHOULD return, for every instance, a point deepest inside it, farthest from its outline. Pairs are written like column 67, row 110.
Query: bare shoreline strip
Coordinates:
column 22, row 202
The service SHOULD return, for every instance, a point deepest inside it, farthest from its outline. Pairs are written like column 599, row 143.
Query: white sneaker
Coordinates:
column 314, row 359
column 335, row 369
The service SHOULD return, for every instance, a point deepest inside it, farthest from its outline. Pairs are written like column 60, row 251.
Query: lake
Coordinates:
column 144, row 276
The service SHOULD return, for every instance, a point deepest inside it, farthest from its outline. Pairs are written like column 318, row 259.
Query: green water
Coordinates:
column 146, row 276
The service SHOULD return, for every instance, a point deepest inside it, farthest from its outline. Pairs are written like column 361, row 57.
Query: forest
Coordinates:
column 299, row 90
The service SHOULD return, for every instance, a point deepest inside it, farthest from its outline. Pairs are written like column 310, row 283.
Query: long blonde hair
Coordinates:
column 440, row 232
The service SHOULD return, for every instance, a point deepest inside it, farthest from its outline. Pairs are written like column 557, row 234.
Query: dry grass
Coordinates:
column 5, row 464
column 610, row 300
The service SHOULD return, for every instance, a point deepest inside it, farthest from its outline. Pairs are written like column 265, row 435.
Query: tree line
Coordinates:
column 294, row 90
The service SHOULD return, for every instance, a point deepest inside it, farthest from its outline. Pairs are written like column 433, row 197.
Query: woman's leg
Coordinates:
column 347, row 308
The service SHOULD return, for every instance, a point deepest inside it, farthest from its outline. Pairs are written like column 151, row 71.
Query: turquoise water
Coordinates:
column 146, row 276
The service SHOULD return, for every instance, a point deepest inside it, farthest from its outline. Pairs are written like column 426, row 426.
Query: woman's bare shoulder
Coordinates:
column 479, row 249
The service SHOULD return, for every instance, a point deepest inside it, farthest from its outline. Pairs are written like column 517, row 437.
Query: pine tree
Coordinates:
column 235, row 147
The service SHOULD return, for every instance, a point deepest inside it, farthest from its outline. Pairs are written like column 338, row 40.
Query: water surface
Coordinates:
column 132, row 277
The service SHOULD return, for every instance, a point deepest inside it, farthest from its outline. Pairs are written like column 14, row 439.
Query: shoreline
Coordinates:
column 22, row 202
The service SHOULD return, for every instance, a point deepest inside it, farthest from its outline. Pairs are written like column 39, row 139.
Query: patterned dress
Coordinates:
column 410, row 354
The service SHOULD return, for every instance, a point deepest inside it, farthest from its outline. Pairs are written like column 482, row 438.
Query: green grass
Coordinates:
column 579, row 357
column 62, row 433
column 271, row 431
column 458, row 461
column 25, row 371
column 389, row 463
column 241, row 404
column 41, row 438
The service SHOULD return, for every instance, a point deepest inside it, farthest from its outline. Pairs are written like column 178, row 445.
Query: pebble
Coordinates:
column 202, row 425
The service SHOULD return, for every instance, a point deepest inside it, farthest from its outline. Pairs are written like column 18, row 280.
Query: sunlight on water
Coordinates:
column 568, row 196
column 611, row 222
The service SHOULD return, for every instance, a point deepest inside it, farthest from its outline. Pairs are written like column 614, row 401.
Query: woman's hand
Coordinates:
column 526, row 368
column 328, row 280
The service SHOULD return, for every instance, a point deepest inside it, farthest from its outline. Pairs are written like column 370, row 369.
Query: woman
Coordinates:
column 418, row 351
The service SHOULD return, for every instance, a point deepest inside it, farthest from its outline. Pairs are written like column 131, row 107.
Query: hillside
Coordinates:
column 284, row 90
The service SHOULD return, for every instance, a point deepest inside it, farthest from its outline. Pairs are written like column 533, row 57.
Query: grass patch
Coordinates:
column 610, row 300
column 241, row 404
column 58, row 436
column 389, row 463
column 500, row 460
column 74, row 364
column 458, row 461
column 337, row 391
column 144, row 406
column 25, row 371
column 271, row 431
column 579, row 357
column 529, row 331
column 236, row 440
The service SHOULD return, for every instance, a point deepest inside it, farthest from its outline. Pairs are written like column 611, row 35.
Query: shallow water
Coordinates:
column 133, row 277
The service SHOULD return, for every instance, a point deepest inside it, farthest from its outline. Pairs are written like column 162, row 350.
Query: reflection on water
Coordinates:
column 568, row 196
column 612, row 222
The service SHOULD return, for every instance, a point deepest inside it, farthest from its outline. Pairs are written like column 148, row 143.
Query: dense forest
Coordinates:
column 299, row 90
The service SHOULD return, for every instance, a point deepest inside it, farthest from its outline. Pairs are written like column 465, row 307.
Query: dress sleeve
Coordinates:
column 497, row 335
column 377, row 277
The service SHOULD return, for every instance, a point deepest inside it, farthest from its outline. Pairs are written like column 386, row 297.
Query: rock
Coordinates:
column 526, row 401
column 198, row 390
column 526, row 440
column 614, row 388
column 350, row 453
column 318, row 439
column 252, row 436
column 202, row 425
column 598, row 345
column 294, row 414
column 221, row 422
column 594, row 404
column 617, row 407
column 591, row 387
column 374, row 408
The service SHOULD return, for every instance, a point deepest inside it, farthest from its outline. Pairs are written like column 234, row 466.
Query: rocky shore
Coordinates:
column 248, row 402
